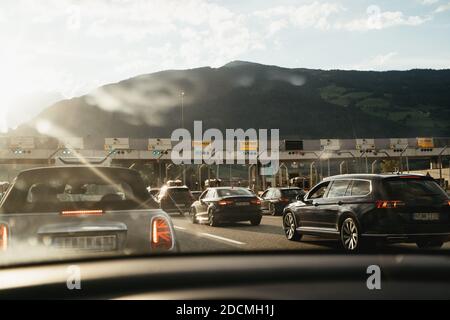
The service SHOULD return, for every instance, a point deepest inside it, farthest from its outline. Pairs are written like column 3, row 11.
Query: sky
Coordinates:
column 58, row 49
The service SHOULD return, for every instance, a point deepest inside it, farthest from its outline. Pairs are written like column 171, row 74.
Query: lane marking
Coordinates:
column 179, row 228
column 221, row 238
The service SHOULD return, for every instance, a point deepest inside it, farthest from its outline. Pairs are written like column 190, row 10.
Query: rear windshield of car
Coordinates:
column 178, row 190
column 414, row 190
column 292, row 192
column 58, row 189
column 233, row 192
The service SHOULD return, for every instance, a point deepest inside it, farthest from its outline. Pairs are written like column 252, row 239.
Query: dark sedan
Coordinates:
column 175, row 199
column 226, row 204
column 274, row 200
column 364, row 209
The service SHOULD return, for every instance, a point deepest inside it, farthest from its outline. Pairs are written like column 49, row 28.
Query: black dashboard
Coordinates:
column 236, row 276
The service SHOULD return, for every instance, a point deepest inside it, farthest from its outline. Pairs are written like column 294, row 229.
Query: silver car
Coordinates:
column 83, row 209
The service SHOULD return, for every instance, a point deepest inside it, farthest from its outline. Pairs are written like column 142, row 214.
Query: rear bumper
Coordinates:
column 236, row 216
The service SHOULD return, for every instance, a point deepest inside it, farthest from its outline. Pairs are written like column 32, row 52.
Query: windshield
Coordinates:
column 233, row 192
column 292, row 193
column 165, row 127
column 60, row 189
column 415, row 190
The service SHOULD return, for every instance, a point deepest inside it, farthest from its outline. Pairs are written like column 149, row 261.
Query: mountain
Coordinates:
column 300, row 102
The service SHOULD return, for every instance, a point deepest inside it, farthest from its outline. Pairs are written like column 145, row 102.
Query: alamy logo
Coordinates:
column 374, row 280
column 73, row 278
column 238, row 146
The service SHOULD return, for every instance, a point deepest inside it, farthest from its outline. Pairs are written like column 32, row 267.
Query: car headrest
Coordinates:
column 111, row 197
column 42, row 193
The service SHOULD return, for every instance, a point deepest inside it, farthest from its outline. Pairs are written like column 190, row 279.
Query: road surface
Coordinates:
column 243, row 236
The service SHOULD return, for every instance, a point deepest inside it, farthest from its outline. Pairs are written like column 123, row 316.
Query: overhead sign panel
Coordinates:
column 71, row 143
column 159, row 144
column 365, row 144
column 426, row 143
column 398, row 143
column 290, row 145
column 248, row 145
column 330, row 144
column 117, row 143
column 21, row 143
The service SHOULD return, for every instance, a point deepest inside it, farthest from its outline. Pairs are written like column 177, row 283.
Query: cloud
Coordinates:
column 315, row 15
column 378, row 20
column 443, row 8
column 393, row 61
column 324, row 16
column 428, row 2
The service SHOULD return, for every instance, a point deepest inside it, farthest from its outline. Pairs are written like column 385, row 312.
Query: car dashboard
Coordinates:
column 236, row 276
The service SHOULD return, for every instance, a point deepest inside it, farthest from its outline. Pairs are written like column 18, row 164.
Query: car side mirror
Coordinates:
column 304, row 199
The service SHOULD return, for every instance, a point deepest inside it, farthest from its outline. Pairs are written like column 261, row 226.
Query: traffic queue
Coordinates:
column 95, row 208
column 358, row 210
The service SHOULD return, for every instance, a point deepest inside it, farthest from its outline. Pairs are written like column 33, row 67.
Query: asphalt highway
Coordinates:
column 268, row 235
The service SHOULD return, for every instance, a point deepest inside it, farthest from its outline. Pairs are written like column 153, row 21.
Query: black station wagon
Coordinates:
column 361, row 209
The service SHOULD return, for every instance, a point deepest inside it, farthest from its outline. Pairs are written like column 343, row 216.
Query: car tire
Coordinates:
column 194, row 216
column 430, row 244
column 212, row 221
column 290, row 227
column 349, row 235
column 256, row 221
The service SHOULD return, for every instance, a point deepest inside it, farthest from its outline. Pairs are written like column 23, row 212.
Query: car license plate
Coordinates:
column 242, row 204
column 104, row 243
column 426, row 216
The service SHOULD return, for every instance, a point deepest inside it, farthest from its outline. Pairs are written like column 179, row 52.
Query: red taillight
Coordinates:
column 284, row 199
column 3, row 237
column 256, row 202
column 225, row 202
column 161, row 234
column 70, row 213
column 389, row 204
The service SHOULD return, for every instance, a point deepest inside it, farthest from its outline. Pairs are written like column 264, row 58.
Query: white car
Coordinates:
column 83, row 209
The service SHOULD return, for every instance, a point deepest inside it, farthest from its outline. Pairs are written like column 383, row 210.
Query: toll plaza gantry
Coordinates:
column 314, row 159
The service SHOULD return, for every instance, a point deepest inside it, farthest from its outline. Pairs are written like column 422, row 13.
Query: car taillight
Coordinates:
column 3, row 237
column 256, row 202
column 225, row 202
column 161, row 234
column 71, row 213
column 389, row 204
column 284, row 199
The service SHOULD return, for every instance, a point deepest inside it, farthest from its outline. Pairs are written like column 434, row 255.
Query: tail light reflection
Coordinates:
column 3, row 237
column 161, row 235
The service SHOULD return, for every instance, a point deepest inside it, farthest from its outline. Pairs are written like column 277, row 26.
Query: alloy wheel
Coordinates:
column 349, row 234
column 289, row 226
